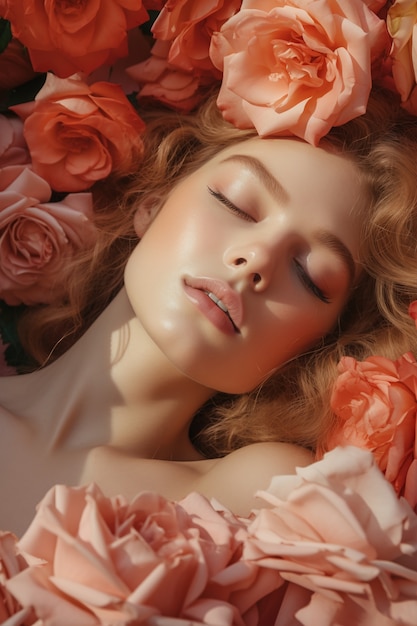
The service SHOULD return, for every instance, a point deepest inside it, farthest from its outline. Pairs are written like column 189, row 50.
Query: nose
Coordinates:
column 254, row 262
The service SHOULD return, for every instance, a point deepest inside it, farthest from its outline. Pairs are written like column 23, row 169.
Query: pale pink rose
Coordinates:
column 296, row 68
column 11, row 563
column 80, row 36
column 110, row 562
column 343, row 541
column 376, row 405
column 38, row 237
column 78, row 133
column 158, row 80
column 402, row 26
column 13, row 148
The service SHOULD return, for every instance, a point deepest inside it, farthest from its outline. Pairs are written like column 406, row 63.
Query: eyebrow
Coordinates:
column 269, row 181
column 263, row 174
column 338, row 247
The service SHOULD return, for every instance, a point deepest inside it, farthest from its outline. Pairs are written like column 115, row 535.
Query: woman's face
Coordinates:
column 250, row 261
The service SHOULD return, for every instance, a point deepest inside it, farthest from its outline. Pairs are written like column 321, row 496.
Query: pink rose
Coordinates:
column 38, row 237
column 344, row 543
column 176, row 88
column 110, row 562
column 297, row 68
column 402, row 26
column 65, row 38
column 375, row 402
column 11, row 563
column 78, row 134
column 13, row 148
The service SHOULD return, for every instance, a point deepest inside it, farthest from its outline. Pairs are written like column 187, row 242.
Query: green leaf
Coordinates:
column 5, row 34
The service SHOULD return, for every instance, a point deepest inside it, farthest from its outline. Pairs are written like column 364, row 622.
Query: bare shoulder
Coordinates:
column 232, row 480
column 235, row 479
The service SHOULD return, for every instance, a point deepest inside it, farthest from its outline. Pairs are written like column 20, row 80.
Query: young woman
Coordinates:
column 260, row 262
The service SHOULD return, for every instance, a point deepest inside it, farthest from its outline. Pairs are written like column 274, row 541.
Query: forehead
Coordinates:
column 310, row 175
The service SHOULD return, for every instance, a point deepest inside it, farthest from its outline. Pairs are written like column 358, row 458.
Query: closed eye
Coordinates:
column 229, row 205
column 310, row 284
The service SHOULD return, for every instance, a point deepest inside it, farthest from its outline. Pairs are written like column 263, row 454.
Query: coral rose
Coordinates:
column 402, row 26
column 13, row 148
column 179, row 70
column 78, row 134
column 67, row 37
column 189, row 25
column 112, row 562
column 297, row 68
column 15, row 66
column 375, row 402
column 344, row 542
column 37, row 237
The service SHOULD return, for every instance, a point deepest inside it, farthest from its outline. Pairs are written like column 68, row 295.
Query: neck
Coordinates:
column 113, row 387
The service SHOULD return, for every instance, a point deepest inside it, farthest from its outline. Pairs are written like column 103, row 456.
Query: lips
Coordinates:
column 224, row 297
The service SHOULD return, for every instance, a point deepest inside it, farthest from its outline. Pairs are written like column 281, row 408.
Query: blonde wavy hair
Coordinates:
column 293, row 405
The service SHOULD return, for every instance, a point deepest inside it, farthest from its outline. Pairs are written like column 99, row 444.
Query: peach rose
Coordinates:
column 38, row 237
column 189, row 25
column 13, row 148
column 110, row 562
column 65, row 38
column 402, row 26
column 296, row 68
column 11, row 563
column 375, row 402
column 78, row 134
column 344, row 543
column 158, row 80
column 179, row 70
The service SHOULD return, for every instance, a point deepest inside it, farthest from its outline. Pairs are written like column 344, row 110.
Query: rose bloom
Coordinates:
column 189, row 25
column 158, row 80
column 375, row 403
column 37, row 237
column 110, row 562
column 67, row 37
column 296, row 68
column 402, row 26
column 343, row 541
column 78, row 134
column 15, row 66
column 11, row 563
column 13, row 148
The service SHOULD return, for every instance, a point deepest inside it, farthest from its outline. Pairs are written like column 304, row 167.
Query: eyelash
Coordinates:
column 309, row 284
column 229, row 205
column 302, row 274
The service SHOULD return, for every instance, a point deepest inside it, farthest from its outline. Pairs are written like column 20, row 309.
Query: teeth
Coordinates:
column 217, row 301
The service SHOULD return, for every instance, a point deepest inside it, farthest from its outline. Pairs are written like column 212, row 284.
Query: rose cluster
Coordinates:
column 332, row 544
column 282, row 67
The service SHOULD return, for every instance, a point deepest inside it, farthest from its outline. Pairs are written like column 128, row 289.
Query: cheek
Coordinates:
column 292, row 332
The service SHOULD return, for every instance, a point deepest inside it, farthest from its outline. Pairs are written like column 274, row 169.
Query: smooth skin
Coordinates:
column 271, row 227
